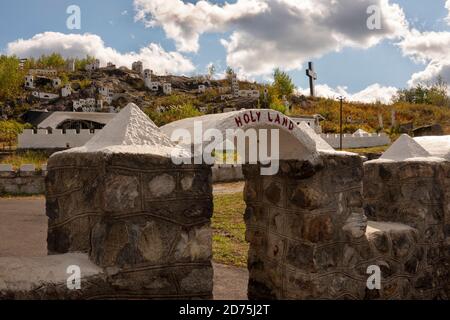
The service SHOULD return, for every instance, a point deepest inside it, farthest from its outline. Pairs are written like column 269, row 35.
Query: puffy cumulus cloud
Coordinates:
column 79, row 45
column 185, row 22
column 434, row 70
column 371, row 94
column 428, row 48
column 447, row 6
column 273, row 33
column 425, row 46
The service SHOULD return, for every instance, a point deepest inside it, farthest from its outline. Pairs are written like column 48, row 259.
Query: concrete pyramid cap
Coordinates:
column 360, row 132
column 131, row 131
column 405, row 148
column 437, row 146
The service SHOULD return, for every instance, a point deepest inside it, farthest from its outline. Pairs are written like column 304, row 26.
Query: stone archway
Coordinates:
column 120, row 208
column 298, row 219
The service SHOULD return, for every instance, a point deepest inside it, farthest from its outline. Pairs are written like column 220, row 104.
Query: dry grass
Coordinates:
column 229, row 245
column 28, row 157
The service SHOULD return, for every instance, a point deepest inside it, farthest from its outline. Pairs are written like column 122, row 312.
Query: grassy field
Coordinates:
column 28, row 157
column 229, row 245
column 380, row 149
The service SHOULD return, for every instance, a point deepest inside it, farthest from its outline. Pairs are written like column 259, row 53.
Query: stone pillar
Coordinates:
column 139, row 216
column 296, row 228
column 414, row 193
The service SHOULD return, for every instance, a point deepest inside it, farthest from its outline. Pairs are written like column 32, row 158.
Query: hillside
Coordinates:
column 185, row 99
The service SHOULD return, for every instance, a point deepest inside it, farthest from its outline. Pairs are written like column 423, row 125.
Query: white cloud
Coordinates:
column 447, row 6
column 426, row 46
column 429, row 48
column 153, row 56
column 371, row 94
column 273, row 33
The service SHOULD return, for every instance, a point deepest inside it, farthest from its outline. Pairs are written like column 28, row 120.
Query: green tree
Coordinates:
column 282, row 83
column 11, row 78
column 55, row 60
column 80, row 64
column 435, row 94
column 183, row 111
column 211, row 71
column 229, row 73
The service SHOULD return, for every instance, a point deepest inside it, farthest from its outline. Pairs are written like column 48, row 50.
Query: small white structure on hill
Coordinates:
column 360, row 133
column 70, row 65
column 84, row 104
column 312, row 121
column 137, row 66
column 234, row 85
column 56, row 82
column 29, row 81
column 93, row 66
column 66, row 91
column 45, row 95
column 249, row 94
column 167, row 88
column 201, row 88
column 43, row 72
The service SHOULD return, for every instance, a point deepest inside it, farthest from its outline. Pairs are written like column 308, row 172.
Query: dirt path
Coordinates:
column 23, row 232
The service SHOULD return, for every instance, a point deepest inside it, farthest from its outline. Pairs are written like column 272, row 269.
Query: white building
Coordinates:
column 70, row 65
column 84, row 104
column 45, row 95
column 137, row 66
column 29, row 81
column 312, row 121
column 56, row 82
column 201, row 88
column 234, row 85
column 148, row 80
column 66, row 91
column 43, row 72
column 249, row 94
column 167, row 88
column 93, row 66
column 154, row 86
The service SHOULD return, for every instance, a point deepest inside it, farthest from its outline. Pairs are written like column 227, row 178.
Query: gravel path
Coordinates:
column 23, row 232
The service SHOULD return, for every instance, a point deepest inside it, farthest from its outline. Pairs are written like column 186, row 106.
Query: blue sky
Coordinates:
column 113, row 21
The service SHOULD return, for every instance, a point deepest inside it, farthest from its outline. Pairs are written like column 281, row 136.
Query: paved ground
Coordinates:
column 23, row 232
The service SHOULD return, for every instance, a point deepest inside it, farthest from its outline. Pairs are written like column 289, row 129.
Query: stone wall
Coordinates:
column 415, row 194
column 138, row 215
column 227, row 173
column 295, row 220
column 25, row 181
column 309, row 238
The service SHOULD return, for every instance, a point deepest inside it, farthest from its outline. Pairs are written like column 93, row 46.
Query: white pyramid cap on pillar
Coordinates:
column 405, row 148
column 131, row 131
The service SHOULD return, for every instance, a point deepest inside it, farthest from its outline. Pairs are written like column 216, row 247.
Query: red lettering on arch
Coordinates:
column 238, row 121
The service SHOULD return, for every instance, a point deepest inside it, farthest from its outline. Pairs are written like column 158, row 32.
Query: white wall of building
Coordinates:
column 57, row 139
column 356, row 141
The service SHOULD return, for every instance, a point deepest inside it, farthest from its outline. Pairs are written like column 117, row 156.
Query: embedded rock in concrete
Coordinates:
column 414, row 197
column 121, row 200
column 297, row 225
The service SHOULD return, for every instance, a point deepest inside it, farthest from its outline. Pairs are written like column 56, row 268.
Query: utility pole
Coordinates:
column 341, row 99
